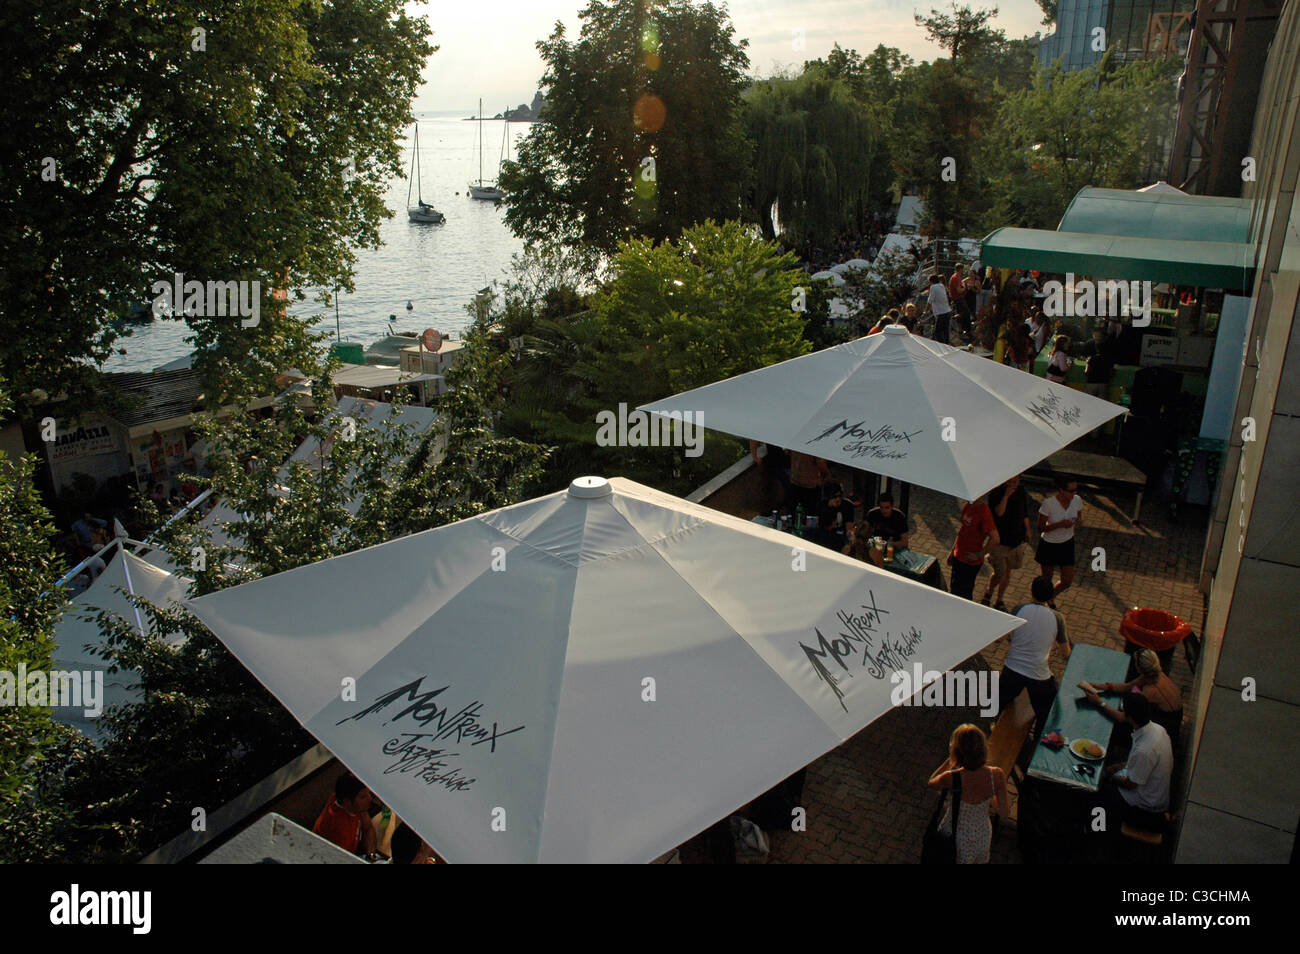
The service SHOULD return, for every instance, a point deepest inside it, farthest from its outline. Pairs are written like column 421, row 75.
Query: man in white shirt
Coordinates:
column 1141, row 782
column 941, row 308
column 1027, row 666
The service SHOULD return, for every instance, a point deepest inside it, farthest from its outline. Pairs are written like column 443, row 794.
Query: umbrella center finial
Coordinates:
column 586, row 488
column 895, row 330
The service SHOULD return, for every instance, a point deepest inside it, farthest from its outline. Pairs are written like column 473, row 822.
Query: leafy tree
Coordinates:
column 672, row 316
column 643, row 133
column 814, row 148
column 1103, row 126
column 962, row 32
column 1049, row 8
column 211, row 139
column 30, row 604
column 136, row 791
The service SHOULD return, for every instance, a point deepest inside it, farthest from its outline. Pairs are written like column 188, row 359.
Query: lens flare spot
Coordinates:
column 649, row 113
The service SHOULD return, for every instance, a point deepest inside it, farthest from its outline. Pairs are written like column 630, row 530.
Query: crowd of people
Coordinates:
column 347, row 821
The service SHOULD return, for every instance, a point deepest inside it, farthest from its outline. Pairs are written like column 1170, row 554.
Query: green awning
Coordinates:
column 1227, row 265
column 1156, row 215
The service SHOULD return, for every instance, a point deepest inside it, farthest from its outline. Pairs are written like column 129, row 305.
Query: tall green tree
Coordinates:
column 227, row 141
column 643, row 133
column 30, row 605
column 815, row 146
column 1104, row 126
column 963, row 31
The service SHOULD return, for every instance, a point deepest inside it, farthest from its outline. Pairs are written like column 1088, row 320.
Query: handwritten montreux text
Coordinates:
column 415, row 750
column 882, row 652
column 868, row 442
column 1049, row 407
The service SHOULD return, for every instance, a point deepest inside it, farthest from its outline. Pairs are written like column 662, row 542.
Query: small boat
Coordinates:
column 480, row 189
column 422, row 211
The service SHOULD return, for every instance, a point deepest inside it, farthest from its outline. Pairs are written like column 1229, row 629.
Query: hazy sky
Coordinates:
column 487, row 46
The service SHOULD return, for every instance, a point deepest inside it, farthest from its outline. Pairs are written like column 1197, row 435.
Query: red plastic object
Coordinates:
column 1153, row 629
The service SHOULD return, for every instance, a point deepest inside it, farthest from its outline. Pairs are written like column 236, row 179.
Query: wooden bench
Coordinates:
column 1094, row 470
column 1009, row 734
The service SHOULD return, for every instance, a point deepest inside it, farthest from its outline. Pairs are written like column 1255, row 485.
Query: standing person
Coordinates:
column 1028, row 658
column 1010, row 506
column 1039, row 330
column 957, row 296
column 988, row 289
column 807, row 474
column 777, row 464
column 977, row 533
column 1058, row 518
column 1060, row 362
column 937, row 302
column 1099, row 364
column 968, row 753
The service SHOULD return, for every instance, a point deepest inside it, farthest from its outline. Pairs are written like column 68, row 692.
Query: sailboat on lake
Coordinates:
column 482, row 189
column 422, row 211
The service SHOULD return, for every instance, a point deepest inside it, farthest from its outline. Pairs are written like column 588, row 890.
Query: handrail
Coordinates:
column 148, row 542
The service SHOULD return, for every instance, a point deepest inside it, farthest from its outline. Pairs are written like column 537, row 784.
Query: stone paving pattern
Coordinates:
column 867, row 801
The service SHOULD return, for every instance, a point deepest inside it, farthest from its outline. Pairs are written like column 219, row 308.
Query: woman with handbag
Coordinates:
column 974, row 784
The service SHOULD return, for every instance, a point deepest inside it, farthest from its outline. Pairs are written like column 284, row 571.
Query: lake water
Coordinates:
column 437, row 268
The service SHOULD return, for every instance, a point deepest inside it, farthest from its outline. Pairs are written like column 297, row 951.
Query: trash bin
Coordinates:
column 1146, row 628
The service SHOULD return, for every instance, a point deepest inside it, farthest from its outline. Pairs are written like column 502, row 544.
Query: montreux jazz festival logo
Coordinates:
column 876, row 443
column 864, row 643
column 427, row 754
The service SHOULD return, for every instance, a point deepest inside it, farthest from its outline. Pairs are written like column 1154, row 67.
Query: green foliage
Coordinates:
column 672, row 316
column 963, row 32
column 815, row 146
column 1104, row 126
column 226, row 162
column 584, row 176
column 138, row 790
column 30, row 604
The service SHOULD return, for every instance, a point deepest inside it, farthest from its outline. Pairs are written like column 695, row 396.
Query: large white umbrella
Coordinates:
column 78, row 629
column 594, row 675
column 903, row 406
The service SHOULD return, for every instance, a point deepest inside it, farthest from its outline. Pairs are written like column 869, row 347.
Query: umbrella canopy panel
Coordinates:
column 903, row 406
column 596, row 675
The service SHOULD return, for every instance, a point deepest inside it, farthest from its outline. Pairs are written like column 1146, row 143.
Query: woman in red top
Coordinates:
column 976, row 536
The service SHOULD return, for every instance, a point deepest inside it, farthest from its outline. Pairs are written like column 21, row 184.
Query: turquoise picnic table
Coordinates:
column 1076, row 718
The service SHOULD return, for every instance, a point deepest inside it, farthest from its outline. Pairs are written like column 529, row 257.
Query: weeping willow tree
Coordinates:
column 815, row 144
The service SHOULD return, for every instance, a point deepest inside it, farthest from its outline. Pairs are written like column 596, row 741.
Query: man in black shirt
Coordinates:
column 1100, row 367
column 1010, row 506
column 887, row 522
column 834, row 517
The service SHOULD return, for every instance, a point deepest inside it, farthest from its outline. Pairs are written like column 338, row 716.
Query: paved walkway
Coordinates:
column 867, row 800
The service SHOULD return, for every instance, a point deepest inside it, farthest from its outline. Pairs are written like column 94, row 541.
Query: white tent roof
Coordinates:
column 373, row 413
column 274, row 839
column 74, row 630
column 1162, row 187
column 602, row 672
column 909, row 214
column 903, row 406
column 834, row 277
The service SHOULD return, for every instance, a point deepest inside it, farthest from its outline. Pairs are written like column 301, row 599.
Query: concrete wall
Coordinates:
column 1243, row 788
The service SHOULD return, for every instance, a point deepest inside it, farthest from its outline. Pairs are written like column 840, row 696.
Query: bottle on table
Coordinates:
column 798, row 521
column 889, row 550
